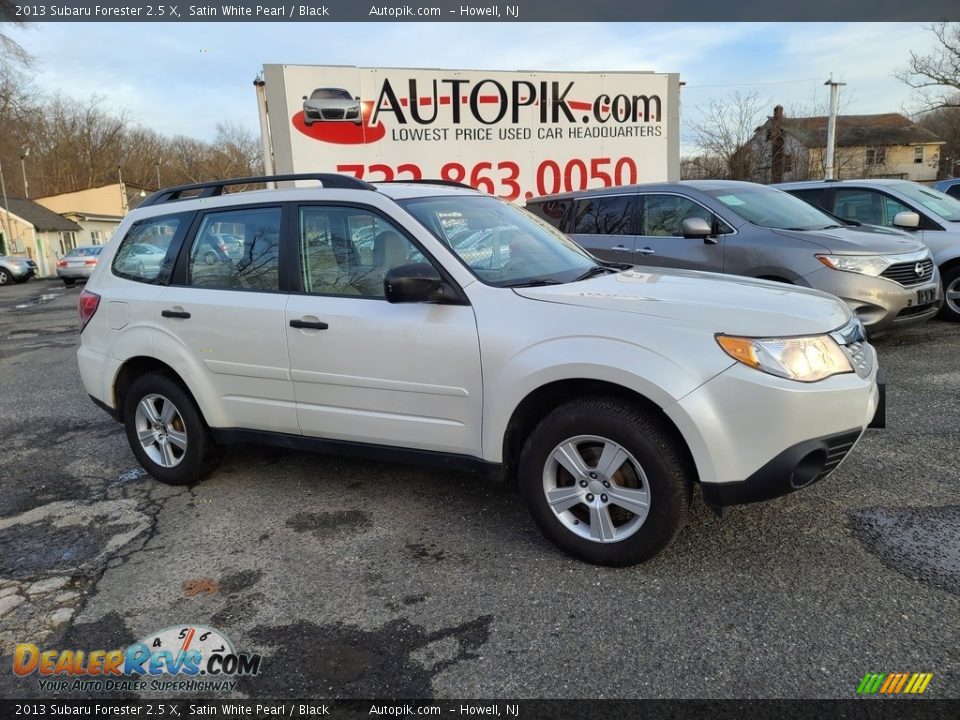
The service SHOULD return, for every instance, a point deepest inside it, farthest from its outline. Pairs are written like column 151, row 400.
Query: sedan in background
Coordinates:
column 14, row 269
column 886, row 277
column 78, row 264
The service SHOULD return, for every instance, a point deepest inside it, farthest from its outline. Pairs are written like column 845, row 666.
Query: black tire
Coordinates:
column 4, row 277
column 641, row 434
column 69, row 282
column 202, row 454
column 951, row 283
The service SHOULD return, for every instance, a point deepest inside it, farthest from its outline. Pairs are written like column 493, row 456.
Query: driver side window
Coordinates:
column 347, row 251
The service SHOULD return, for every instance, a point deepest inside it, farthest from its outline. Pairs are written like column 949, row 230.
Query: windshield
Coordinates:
column 933, row 200
column 330, row 94
column 500, row 243
column 773, row 209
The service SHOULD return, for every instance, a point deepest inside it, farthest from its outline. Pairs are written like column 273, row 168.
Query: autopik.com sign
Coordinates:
column 512, row 134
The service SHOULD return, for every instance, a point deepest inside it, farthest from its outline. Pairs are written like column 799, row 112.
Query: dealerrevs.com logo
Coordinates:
column 185, row 658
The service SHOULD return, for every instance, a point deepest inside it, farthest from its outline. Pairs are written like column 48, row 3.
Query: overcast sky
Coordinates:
column 184, row 78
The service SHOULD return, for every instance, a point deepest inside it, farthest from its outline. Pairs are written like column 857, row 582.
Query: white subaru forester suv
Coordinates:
column 431, row 323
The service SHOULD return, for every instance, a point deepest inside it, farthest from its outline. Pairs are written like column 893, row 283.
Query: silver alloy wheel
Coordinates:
column 596, row 488
column 161, row 430
column 952, row 295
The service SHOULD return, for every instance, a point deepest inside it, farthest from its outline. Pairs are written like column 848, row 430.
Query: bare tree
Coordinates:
column 724, row 128
column 936, row 75
column 945, row 124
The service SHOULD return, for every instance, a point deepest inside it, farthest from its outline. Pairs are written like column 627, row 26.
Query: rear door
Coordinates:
column 605, row 226
column 661, row 242
column 226, row 315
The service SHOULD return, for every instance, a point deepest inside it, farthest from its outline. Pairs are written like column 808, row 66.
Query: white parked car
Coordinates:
column 606, row 392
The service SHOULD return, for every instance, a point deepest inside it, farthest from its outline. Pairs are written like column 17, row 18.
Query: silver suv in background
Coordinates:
column 885, row 276
column 930, row 215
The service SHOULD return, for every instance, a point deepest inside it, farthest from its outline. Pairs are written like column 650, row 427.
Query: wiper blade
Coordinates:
column 535, row 283
column 594, row 271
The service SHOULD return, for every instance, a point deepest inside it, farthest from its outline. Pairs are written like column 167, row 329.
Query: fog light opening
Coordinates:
column 808, row 468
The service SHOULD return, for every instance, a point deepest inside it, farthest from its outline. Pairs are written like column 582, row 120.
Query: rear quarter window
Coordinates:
column 551, row 211
column 149, row 249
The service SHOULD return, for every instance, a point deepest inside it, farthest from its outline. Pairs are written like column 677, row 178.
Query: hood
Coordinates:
column 865, row 240
column 717, row 303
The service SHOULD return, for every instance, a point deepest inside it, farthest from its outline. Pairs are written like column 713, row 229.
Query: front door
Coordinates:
column 661, row 242
column 366, row 370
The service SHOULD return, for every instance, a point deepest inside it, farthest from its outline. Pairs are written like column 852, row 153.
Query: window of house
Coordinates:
column 918, row 154
column 787, row 162
column 876, row 156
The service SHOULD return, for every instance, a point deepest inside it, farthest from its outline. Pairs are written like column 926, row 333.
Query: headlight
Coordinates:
column 863, row 264
column 806, row 359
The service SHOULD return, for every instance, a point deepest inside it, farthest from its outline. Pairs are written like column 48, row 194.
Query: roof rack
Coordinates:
column 450, row 183
column 215, row 187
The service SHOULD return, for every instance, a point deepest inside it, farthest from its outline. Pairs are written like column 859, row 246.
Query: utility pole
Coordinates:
column 158, row 175
column 832, row 127
column 6, row 215
column 123, row 192
column 24, row 154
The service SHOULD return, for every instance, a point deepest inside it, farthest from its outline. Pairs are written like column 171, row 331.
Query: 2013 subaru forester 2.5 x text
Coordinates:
column 432, row 323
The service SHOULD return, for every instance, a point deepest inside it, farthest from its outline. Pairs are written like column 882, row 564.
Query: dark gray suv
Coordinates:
column 885, row 276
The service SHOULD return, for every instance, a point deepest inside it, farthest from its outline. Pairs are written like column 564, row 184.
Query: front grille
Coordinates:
column 333, row 114
column 906, row 273
column 837, row 449
column 915, row 310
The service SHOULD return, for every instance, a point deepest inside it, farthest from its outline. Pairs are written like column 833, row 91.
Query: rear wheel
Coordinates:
column 5, row 277
column 167, row 433
column 69, row 282
column 604, row 481
column 951, row 295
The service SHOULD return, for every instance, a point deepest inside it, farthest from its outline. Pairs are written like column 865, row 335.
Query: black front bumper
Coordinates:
column 796, row 467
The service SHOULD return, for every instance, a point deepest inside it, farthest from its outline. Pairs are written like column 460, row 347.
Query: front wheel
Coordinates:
column 5, row 277
column 604, row 481
column 951, row 295
column 167, row 433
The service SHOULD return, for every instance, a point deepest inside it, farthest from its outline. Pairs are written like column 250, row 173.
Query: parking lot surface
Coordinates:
column 361, row 579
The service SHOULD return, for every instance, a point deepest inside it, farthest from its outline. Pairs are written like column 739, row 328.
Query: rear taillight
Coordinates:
column 90, row 261
column 87, row 305
column 61, row 263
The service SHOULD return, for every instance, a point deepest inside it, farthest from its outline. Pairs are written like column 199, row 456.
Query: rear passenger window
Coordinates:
column 663, row 215
column 552, row 211
column 347, row 251
column 605, row 215
column 148, row 251
column 237, row 250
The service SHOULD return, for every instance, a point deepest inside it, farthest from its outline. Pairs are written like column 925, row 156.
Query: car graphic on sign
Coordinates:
column 331, row 105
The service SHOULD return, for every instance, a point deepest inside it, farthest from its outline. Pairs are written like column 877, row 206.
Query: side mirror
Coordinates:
column 357, row 98
column 304, row 97
column 416, row 282
column 697, row 228
column 906, row 220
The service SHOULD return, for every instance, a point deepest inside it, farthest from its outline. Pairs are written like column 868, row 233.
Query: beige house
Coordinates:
column 98, row 211
column 31, row 229
column 890, row 145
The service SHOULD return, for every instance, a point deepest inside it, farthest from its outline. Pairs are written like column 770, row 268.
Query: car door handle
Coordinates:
column 182, row 314
column 647, row 251
column 620, row 248
column 309, row 325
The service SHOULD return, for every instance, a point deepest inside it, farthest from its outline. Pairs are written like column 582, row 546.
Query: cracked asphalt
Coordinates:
column 359, row 579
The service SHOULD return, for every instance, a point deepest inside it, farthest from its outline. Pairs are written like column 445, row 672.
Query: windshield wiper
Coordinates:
column 535, row 283
column 594, row 271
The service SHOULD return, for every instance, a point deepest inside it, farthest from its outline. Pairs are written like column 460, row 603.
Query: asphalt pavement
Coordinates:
column 363, row 579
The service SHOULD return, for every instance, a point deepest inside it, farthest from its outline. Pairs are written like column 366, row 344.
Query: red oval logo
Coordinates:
column 342, row 132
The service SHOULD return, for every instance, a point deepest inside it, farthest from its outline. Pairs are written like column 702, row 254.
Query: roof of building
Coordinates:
column 39, row 216
column 859, row 130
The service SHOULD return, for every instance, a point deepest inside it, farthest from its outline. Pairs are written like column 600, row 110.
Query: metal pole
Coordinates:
column 828, row 169
column 268, row 169
column 6, row 215
column 158, row 175
column 23, row 169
